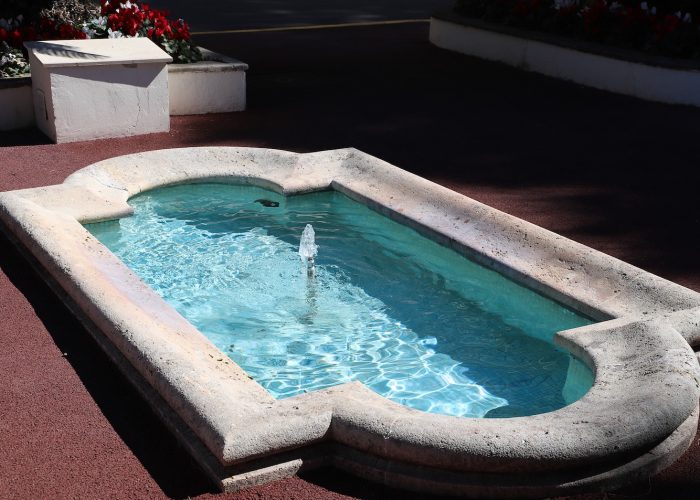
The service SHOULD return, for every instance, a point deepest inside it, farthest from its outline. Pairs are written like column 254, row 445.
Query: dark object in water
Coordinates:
column 267, row 203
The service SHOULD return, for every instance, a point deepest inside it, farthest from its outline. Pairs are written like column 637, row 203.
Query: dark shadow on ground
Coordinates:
column 275, row 13
column 24, row 137
column 341, row 482
column 141, row 430
column 136, row 424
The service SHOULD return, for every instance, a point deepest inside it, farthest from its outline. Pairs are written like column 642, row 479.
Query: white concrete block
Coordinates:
column 215, row 85
column 92, row 89
column 16, row 103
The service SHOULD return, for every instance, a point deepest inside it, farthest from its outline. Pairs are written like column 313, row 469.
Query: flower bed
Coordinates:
column 81, row 19
column 213, row 84
column 665, row 27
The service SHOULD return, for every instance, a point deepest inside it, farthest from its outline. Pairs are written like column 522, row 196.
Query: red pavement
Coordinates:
column 614, row 173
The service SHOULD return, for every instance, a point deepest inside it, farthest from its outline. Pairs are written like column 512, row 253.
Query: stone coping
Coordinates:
column 97, row 52
column 212, row 62
column 579, row 44
column 638, row 417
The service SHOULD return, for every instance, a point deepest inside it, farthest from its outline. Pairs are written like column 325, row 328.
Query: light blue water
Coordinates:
column 412, row 320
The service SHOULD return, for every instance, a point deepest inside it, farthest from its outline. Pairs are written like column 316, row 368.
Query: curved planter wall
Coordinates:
column 611, row 69
column 640, row 415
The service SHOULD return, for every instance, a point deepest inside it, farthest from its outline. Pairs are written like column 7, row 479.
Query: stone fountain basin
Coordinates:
column 639, row 416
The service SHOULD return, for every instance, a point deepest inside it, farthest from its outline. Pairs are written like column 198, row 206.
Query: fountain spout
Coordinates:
column 308, row 250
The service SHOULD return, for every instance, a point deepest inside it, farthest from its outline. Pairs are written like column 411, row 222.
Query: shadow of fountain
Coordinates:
column 123, row 407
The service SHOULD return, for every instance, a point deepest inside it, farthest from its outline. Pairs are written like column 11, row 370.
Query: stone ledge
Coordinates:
column 97, row 52
column 212, row 62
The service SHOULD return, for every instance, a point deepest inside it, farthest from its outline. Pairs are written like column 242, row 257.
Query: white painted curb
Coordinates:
column 646, row 81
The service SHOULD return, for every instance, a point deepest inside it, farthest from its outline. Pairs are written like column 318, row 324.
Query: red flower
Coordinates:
column 182, row 30
column 524, row 8
column 567, row 12
column 65, row 31
column 16, row 37
column 632, row 15
column 4, row 35
column 521, row 8
column 29, row 33
column 667, row 25
column 594, row 16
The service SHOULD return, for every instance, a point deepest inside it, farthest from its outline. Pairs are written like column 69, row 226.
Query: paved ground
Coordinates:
column 614, row 173
column 228, row 14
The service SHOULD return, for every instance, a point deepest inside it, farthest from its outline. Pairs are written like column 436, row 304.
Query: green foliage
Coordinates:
column 12, row 62
column 73, row 12
column 182, row 51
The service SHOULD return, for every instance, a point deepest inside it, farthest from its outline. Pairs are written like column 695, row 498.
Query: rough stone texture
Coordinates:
column 647, row 376
column 646, row 81
column 90, row 89
column 215, row 85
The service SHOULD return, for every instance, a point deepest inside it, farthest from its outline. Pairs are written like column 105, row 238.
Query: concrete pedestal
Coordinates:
column 91, row 89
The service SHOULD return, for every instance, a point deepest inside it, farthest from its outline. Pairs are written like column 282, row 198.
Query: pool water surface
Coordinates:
column 412, row 320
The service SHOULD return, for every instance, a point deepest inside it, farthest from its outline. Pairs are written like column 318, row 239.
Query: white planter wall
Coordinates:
column 655, row 83
column 215, row 85
column 16, row 109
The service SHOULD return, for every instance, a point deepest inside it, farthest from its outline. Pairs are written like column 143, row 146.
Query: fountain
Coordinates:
column 308, row 250
column 379, row 287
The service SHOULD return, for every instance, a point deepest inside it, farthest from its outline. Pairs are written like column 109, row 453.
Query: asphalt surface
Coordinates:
column 244, row 14
column 612, row 172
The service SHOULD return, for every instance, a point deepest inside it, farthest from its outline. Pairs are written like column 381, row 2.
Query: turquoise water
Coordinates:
column 412, row 320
